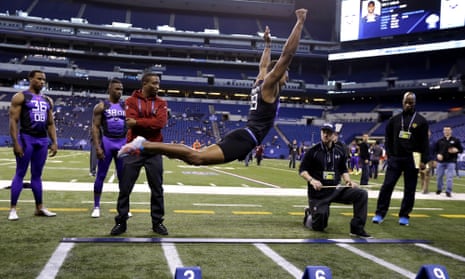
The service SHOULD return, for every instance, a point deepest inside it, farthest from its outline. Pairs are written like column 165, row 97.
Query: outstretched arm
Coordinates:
column 288, row 52
column 266, row 57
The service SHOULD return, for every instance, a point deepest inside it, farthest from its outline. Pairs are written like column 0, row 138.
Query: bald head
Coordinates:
column 409, row 102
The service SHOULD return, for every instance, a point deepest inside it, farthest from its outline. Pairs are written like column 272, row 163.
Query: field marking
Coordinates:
column 227, row 204
column 252, row 213
column 282, row 262
column 246, row 178
column 53, row 265
column 241, row 240
column 377, row 260
column 194, row 211
column 440, row 251
column 452, row 215
column 171, row 256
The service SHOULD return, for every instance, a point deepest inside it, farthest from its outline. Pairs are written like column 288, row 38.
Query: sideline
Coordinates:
column 218, row 190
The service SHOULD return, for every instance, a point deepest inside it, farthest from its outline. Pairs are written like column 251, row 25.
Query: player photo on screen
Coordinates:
column 370, row 20
column 382, row 18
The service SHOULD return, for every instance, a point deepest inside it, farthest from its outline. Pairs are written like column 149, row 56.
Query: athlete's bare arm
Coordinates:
column 277, row 76
column 52, row 130
column 265, row 58
column 96, row 125
column 15, row 112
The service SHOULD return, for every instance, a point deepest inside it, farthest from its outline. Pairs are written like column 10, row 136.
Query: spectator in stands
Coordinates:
column 406, row 133
column 108, row 135
column 146, row 116
column 446, row 149
column 31, row 122
column 263, row 108
column 364, row 148
column 293, row 153
column 259, row 151
column 322, row 167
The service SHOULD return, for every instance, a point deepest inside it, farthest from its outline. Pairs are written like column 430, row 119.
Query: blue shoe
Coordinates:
column 403, row 221
column 377, row 219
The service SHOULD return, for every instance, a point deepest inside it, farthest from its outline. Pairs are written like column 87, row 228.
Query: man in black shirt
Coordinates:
column 446, row 149
column 406, row 134
column 322, row 167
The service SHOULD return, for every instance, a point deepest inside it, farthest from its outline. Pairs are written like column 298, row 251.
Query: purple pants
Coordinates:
column 35, row 152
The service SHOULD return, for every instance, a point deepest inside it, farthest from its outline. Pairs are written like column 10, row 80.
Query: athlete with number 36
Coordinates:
column 264, row 104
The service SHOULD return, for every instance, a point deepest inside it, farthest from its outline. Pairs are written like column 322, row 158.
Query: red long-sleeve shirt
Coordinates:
column 151, row 116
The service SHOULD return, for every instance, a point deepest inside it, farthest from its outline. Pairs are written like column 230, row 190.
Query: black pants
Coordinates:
column 365, row 173
column 153, row 165
column 395, row 167
column 319, row 208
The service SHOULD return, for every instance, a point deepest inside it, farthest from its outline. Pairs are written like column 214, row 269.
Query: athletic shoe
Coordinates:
column 13, row 216
column 377, row 219
column 118, row 229
column 129, row 214
column 160, row 229
column 403, row 221
column 360, row 234
column 448, row 194
column 438, row 192
column 44, row 212
column 132, row 147
column 95, row 212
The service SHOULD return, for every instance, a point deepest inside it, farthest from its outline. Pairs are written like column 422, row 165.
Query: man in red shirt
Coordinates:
column 146, row 115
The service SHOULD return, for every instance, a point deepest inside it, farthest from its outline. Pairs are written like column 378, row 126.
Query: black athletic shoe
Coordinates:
column 438, row 192
column 360, row 234
column 160, row 229
column 448, row 194
column 118, row 229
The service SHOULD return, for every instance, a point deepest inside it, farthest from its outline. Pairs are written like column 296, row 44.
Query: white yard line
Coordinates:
column 377, row 260
column 442, row 252
column 54, row 263
column 172, row 256
column 245, row 178
column 282, row 262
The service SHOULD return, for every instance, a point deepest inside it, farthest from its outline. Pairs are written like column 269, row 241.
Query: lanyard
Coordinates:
column 409, row 125
column 328, row 159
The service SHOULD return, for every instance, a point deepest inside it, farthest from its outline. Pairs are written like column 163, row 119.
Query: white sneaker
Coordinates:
column 13, row 216
column 95, row 212
column 131, row 147
column 45, row 212
column 129, row 214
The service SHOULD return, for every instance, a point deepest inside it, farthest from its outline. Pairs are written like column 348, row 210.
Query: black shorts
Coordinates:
column 237, row 144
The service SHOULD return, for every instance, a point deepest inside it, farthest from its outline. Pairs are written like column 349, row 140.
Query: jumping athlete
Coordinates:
column 264, row 104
